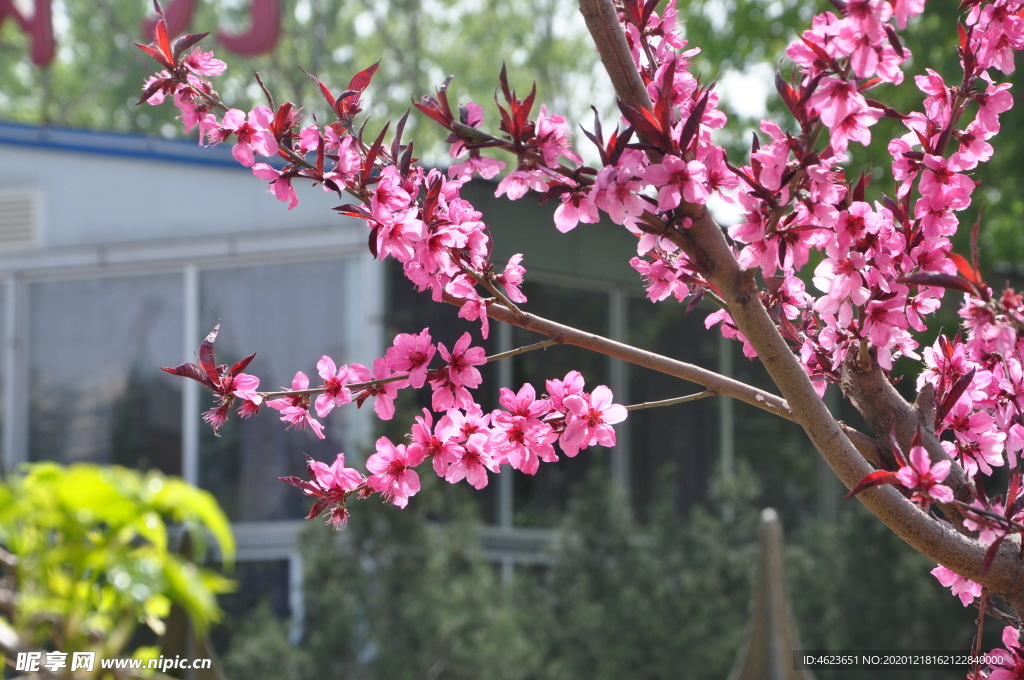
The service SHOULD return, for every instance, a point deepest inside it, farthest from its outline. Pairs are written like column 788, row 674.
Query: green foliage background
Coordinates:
column 410, row 594
column 92, row 558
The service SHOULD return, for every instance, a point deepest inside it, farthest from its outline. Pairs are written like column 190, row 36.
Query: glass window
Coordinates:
column 291, row 314
column 94, row 351
column 542, row 499
column 672, row 448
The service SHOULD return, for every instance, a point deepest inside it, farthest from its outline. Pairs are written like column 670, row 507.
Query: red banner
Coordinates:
column 260, row 38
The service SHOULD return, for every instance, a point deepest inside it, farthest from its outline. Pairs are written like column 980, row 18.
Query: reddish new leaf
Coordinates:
column 362, row 79
column 693, row 122
column 241, row 365
column 966, row 270
column 324, row 90
column 191, row 371
column 155, row 53
column 374, row 151
column 953, row 396
column 432, row 112
column 206, row 358
column 163, row 43
column 642, row 121
column 185, row 42
column 871, row 480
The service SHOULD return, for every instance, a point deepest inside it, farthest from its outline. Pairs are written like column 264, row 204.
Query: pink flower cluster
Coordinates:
column 465, row 444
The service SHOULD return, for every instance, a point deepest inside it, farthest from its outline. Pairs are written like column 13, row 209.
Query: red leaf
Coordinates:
column 953, row 396
column 966, row 270
column 206, row 359
column 162, row 41
column 787, row 93
column 360, row 80
column 155, row 53
column 693, row 122
column 434, row 113
column 241, row 365
column 324, row 90
column 374, row 151
column 503, row 80
column 871, row 480
column 191, row 371
column 897, row 452
column 396, row 145
column 642, row 121
column 187, row 41
column 522, row 114
column 151, row 90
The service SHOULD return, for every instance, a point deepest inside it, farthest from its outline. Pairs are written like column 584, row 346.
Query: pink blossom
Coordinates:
column 469, row 421
column 280, row 183
column 589, row 420
column 576, row 207
column 475, row 461
column 336, row 392
column 923, row 478
column 411, row 354
column 616, row 188
column 517, row 183
column 1007, row 663
column 904, row 9
column 553, row 139
column 995, row 100
column 252, row 134
column 383, row 392
column 835, row 99
column 660, row 279
column 559, row 389
column 943, row 184
column 476, row 308
column 512, row 278
column 521, row 436
column 854, row 128
column 398, row 233
column 295, row 410
column 487, row 168
column 963, row 588
column 245, row 387
column 203, row 63
column 677, row 181
column 938, row 105
column 463, row 360
column 436, row 443
column 393, row 474
column 330, row 485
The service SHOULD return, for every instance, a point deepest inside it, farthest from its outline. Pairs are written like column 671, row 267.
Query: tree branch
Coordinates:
column 713, row 382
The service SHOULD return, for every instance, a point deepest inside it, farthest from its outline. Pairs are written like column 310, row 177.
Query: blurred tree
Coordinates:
column 89, row 563
column 411, row 594
column 97, row 73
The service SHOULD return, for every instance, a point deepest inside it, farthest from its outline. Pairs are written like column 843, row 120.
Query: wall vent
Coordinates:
column 19, row 219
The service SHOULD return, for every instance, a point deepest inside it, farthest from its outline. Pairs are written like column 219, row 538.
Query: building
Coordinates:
column 119, row 253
